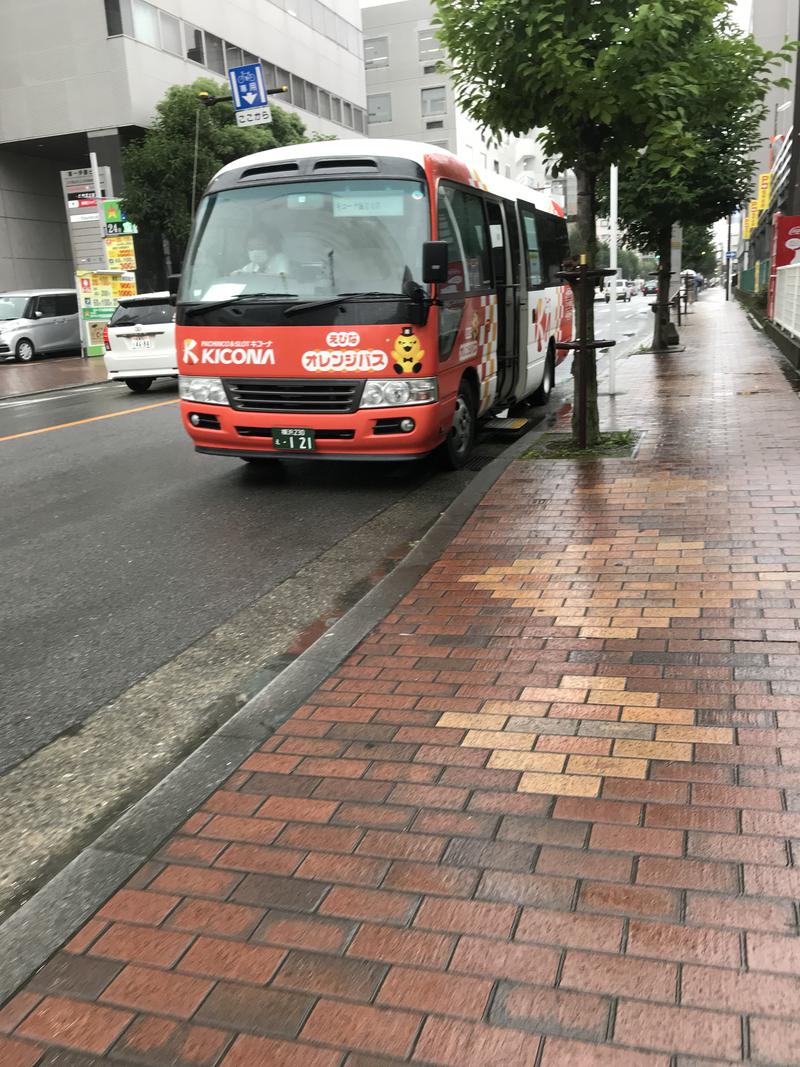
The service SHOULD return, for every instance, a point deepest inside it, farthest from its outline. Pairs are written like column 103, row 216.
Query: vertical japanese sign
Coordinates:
column 764, row 191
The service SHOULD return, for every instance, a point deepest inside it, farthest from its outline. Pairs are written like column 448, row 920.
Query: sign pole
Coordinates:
column 613, row 253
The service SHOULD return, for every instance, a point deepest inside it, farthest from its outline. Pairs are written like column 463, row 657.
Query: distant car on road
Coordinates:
column 623, row 292
column 39, row 322
column 650, row 288
column 140, row 341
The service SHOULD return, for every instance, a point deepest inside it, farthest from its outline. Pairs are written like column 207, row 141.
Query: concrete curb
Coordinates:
column 51, row 392
column 52, row 915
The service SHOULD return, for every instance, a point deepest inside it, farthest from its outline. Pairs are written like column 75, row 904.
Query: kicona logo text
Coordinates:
column 228, row 353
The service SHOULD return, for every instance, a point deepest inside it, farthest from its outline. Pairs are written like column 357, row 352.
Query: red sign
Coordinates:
column 785, row 250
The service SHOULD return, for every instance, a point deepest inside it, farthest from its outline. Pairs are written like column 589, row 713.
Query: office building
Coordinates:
column 77, row 78
column 409, row 96
column 772, row 22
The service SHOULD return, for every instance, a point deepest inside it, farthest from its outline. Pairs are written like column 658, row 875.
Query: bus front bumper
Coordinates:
column 372, row 433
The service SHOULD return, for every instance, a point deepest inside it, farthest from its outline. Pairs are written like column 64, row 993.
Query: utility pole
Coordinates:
column 728, row 262
column 613, row 255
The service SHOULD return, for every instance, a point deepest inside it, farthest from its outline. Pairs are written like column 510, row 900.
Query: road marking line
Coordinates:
column 82, row 422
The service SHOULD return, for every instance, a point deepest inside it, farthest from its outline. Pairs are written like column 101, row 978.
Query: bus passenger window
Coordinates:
column 531, row 248
column 554, row 244
column 467, row 216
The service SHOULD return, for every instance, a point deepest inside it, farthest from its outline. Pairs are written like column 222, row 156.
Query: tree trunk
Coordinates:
column 585, row 366
column 661, row 327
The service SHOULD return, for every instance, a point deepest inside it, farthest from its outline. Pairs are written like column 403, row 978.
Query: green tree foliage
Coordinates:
column 701, row 169
column 700, row 251
column 158, row 169
column 604, row 78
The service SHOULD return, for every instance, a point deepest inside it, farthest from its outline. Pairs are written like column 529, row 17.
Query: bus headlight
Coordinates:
column 202, row 390
column 399, row 392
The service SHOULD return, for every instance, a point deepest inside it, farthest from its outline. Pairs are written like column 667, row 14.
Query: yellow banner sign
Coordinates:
column 120, row 253
column 764, row 190
column 746, row 228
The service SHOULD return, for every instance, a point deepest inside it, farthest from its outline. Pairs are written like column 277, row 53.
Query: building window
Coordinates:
column 284, row 79
column 145, row 23
column 317, row 16
column 269, row 74
column 233, row 55
column 171, row 34
column 380, row 107
column 324, row 104
column 348, row 114
column 298, row 92
column 430, row 51
column 215, row 54
column 434, row 101
column 358, row 120
column 376, row 52
column 312, row 104
column 497, row 166
column 508, row 172
column 118, row 18
column 194, row 44
column 336, row 109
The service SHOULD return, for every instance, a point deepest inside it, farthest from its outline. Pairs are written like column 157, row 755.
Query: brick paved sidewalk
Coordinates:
column 544, row 815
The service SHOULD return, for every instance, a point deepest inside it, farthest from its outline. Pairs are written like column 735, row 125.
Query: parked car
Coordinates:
column 39, row 322
column 140, row 341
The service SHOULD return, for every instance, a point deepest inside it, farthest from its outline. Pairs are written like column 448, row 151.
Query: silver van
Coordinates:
column 37, row 322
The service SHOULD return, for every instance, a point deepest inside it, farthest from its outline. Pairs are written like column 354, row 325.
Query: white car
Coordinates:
column 140, row 341
column 623, row 292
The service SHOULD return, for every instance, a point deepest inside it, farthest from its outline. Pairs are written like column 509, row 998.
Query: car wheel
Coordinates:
column 455, row 450
column 24, row 352
column 542, row 394
column 138, row 385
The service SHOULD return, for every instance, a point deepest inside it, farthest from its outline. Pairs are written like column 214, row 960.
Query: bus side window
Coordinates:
column 554, row 245
column 532, row 254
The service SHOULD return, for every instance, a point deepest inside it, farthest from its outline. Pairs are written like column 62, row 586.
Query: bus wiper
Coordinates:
column 342, row 298
column 247, row 298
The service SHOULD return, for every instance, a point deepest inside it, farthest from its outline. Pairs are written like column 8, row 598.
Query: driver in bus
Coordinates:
column 265, row 254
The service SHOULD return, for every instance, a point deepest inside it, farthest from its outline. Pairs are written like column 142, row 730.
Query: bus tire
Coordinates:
column 542, row 394
column 456, row 448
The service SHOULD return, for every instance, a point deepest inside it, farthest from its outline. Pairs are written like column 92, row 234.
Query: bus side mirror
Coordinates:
column 434, row 261
column 173, row 281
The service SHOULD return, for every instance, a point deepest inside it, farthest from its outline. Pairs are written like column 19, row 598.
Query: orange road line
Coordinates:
column 82, row 422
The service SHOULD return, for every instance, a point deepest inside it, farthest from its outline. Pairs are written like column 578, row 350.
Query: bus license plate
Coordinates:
column 293, row 440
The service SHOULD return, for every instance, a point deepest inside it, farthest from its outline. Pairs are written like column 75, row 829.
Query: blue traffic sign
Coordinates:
column 247, row 86
column 730, row 255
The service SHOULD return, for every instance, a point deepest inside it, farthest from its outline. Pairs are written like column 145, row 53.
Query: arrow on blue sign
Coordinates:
column 247, row 86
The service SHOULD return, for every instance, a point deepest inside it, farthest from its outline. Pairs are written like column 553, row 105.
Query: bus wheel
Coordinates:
column 455, row 450
column 542, row 394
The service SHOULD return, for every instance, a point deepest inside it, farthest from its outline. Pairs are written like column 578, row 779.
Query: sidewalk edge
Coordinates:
column 49, row 918
column 11, row 397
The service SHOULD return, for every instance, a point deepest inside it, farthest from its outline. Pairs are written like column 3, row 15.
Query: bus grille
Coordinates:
column 301, row 395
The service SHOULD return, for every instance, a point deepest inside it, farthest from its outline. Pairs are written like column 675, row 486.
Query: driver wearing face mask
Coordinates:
column 264, row 255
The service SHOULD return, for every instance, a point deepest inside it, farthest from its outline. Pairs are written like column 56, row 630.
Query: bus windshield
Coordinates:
column 308, row 241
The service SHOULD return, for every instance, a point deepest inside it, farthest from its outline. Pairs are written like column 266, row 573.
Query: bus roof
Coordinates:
column 432, row 159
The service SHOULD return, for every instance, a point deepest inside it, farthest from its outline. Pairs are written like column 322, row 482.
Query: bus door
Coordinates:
column 503, row 269
column 533, row 337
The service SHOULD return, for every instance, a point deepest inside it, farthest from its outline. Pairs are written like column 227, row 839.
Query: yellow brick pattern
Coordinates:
column 561, row 589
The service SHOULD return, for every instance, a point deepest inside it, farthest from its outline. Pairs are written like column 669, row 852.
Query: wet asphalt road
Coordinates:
column 120, row 547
